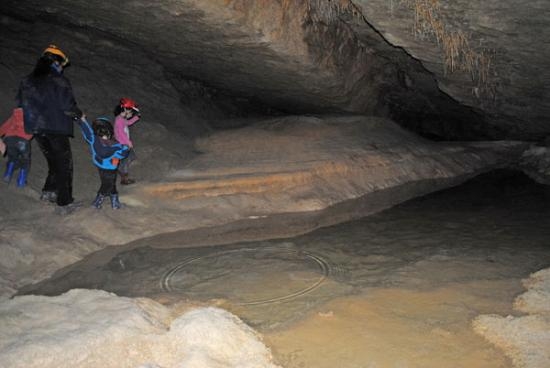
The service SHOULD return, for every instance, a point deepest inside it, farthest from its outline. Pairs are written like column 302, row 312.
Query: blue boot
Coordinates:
column 22, row 178
column 10, row 166
column 115, row 203
column 98, row 201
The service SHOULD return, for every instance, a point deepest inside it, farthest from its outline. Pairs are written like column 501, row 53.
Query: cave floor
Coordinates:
column 396, row 289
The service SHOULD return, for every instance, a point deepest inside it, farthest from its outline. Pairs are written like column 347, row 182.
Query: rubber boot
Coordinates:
column 115, row 203
column 98, row 201
column 22, row 178
column 10, row 166
column 125, row 180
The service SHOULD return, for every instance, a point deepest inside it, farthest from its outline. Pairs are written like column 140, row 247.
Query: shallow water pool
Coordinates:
column 395, row 289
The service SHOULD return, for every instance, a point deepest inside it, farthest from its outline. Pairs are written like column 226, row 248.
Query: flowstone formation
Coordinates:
column 112, row 331
column 524, row 338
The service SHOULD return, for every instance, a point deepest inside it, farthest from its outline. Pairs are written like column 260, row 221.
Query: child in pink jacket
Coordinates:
column 126, row 114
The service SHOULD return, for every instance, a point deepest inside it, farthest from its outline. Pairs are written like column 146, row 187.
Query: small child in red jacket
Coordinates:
column 18, row 147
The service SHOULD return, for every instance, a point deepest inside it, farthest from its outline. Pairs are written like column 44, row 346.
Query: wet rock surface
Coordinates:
column 408, row 280
column 306, row 172
column 535, row 162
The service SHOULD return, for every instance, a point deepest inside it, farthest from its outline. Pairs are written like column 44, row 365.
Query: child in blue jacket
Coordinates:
column 106, row 155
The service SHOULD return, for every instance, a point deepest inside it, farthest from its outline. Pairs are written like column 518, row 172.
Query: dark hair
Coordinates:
column 103, row 128
column 43, row 66
column 118, row 110
column 44, row 63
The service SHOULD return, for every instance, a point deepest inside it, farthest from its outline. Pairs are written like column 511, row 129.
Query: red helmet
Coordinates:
column 128, row 103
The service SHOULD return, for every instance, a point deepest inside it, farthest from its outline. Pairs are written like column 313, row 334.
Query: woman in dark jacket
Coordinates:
column 49, row 108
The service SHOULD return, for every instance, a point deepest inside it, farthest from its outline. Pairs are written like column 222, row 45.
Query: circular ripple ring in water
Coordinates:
column 324, row 268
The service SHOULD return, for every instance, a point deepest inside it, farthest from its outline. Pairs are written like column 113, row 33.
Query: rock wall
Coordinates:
column 490, row 55
column 293, row 56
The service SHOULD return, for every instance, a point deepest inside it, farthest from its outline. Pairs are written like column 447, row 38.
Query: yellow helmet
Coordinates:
column 53, row 49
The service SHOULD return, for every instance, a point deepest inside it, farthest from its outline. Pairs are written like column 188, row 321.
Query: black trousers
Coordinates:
column 57, row 151
column 108, row 182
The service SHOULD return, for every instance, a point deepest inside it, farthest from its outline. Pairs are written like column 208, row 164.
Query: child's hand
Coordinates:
column 2, row 147
column 83, row 118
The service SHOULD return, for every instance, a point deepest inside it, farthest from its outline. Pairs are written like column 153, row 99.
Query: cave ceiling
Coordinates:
column 453, row 69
